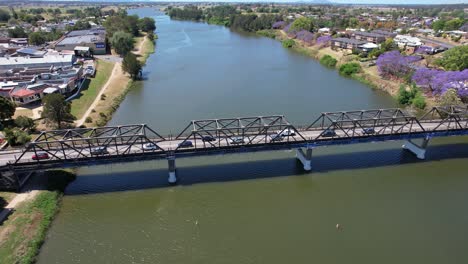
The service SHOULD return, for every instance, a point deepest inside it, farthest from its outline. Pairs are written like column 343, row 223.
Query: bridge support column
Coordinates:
column 305, row 158
column 418, row 150
column 172, row 170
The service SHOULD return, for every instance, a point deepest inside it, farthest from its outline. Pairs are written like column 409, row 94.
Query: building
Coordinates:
column 403, row 41
column 28, row 94
column 48, row 60
column 346, row 43
column 95, row 39
column 385, row 33
column 368, row 37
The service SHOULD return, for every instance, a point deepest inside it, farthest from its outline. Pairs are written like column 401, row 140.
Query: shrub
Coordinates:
column 102, row 115
column 17, row 137
column 25, row 122
column 348, row 69
column 328, row 61
column 419, row 101
column 288, row 43
column 103, row 97
column 88, row 120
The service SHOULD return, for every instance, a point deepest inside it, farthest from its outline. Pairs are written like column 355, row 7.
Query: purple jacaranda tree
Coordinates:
column 323, row 41
column 393, row 64
column 279, row 25
column 305, row 36
column 438, row 82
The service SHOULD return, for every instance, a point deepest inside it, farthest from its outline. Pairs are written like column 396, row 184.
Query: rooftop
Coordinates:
column 47, row 59
column 349, row 41
column 81, row 39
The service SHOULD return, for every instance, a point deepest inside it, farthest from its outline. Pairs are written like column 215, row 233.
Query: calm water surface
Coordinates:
column 260, row 207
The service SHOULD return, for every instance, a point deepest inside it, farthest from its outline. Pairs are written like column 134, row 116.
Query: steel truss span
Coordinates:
column 87, row 146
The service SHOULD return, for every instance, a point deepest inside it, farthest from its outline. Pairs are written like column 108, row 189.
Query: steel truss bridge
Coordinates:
column 77, row 147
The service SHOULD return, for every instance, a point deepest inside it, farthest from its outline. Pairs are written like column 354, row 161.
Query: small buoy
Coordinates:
column 196, row 222
column 338, row 226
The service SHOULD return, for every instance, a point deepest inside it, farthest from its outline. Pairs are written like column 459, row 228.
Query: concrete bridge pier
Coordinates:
column 418, row 150
column 172, row 170
column 305, row 158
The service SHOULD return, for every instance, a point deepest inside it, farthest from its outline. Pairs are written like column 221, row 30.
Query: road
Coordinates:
column 438, row 42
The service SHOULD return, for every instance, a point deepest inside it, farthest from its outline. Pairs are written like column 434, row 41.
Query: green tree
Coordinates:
column 438, row 25
column 131, row 65
column 4, row 15
column 454, row 59
column 25, row 122
column 302, row 23
column 147, row 24
column 17, row 137
column 328, row 61
column 122, row 42
column 348, row 69
column 17, row 32
column 453, row 24
column 7, row 108
column 56, row 109
column 288, row 43
column 37, row 38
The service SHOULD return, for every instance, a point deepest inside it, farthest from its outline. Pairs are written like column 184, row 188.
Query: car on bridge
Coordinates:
column 150, row 147
column 368, row 131
column 208, row 138
column 288, row 132
column 237, row 140
column 328, row 133
column 40, row 156
column 101, row 150
column 185, row 144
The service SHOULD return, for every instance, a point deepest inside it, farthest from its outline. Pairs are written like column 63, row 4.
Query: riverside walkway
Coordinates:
column 114, row 144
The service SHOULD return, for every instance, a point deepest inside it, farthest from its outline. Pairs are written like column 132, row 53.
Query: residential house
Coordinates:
column 346, row 43
column 368, row 37
column 28, row 94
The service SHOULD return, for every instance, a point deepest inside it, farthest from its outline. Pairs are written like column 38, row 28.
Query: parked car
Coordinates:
column 40, row 156
column 101, row 150
column 185, row 144
column 150, row 147
column 90, row 71
column 368, row 131
column 328, row 133
column 237, row 140
column 287, row 132
column 208, row 139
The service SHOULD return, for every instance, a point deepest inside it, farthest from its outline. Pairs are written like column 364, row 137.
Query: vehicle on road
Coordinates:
column 237, row 140
column 185, row 144
column 40, row 156
column 101, row 150
column 208, row 139
column 368, row 131
column 150, row 147
column 288, row 132
column 328, row 133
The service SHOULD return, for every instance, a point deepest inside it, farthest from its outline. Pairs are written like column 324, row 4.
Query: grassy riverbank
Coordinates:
column 22, row 235
column 120, row 85
column 91, row 88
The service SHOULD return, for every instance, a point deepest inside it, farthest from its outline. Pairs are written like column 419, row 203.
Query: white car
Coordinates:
column 149, row 147
column 90, row 71
column 287, row 132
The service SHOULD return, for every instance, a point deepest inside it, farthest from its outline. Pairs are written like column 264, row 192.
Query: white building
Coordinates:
column 56, row 60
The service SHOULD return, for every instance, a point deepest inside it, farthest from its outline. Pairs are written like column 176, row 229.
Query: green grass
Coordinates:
column 91, row 88
column 28, row 225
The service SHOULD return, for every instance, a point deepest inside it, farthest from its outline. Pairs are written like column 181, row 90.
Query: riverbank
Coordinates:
column 23, row 233
column 119, row 84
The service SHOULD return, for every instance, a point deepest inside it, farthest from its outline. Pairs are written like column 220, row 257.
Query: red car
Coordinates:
column 40, row 156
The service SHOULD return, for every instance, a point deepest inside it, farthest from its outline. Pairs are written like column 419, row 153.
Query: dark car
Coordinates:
column 99, row 150
column 368, row 131
column 328, row 133
column 40, row 156
column 208, row 139
column 186, row 144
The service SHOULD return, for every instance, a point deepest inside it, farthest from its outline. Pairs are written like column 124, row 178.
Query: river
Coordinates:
column 260, row 207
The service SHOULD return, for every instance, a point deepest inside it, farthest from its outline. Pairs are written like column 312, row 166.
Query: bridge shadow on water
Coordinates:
column 116, row 181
